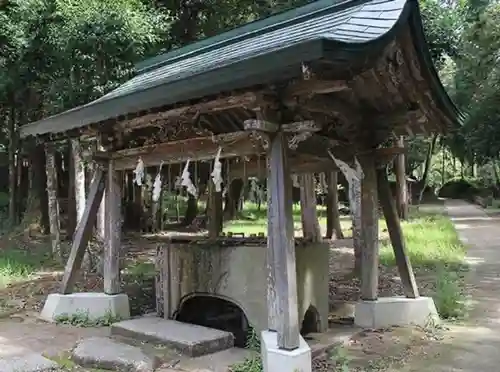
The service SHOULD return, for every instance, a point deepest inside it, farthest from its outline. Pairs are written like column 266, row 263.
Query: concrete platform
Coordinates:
column 189, row 339
column 395, row 311
column 96, row 305
column 275, row 359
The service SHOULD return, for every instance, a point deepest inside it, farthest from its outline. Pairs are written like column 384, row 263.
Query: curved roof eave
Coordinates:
column 353, row 24
column 428, row 68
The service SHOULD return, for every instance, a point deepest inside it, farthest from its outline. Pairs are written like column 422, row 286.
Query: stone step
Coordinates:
column 105, row 353
column 30, row 362
column 188, row 339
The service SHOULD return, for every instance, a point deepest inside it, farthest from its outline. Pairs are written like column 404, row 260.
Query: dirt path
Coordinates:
column 475, row 346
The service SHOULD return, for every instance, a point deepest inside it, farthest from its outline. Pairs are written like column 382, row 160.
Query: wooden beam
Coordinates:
column 301, row 126
column 197, row 149
column 369, row 230
column 113, row 231
column 260, row 125
column 297, row 165
column 396, row 235
column 282, row 281
column 315, row 86
column 83, row 232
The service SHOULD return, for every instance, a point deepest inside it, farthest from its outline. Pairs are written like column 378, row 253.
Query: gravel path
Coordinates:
column 475, row 345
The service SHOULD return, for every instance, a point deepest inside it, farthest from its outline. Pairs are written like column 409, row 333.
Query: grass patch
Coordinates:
column 433, row 246
column 431, row 242
column 448, row 296
column 17, row 264
column 82, row 319
column 254, row 220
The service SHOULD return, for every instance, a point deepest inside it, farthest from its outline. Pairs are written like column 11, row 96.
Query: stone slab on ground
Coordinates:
column 94, row 305
column 103, row 352
column 189, row 339
column 30, row 362
column 395, row 311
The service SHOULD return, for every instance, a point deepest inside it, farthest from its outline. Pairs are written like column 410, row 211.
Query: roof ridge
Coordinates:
column 270, row 23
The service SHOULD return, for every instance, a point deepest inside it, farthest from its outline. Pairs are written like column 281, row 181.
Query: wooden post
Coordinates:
column 83, row 232
column 54, row 219
column 113, row 231
column 396, row 235
column 79, row 170
column 101, row 215
column 310, row 223
column 333, row 228
column 369, row 230
column 282, row 283
column 72, row 219
column 215, row 211
column 401, row 185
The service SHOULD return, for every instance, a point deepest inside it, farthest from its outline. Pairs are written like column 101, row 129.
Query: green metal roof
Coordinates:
column 260, row 52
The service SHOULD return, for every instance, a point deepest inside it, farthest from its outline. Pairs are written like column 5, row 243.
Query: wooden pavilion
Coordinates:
column 332, row 76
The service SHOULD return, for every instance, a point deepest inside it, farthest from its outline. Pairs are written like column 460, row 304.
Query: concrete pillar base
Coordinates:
column 95, row 305
column 395, row 311
column 275, row 359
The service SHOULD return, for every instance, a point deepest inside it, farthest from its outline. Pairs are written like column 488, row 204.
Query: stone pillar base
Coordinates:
column 95, row 305
column 275, row 359
column 395, row 311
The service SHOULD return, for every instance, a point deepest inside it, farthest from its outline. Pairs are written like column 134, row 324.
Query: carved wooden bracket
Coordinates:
column 298, row 131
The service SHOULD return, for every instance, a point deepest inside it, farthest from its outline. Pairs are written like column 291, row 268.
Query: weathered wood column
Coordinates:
column 113, row 231
column 333, row 228
column 282, row 283
column 215, row 211
column 396, row 235
column 83, row 232
column 401, row 185
column 101, row 216
column 369, row 229
column 310, row 224
column 54, row 220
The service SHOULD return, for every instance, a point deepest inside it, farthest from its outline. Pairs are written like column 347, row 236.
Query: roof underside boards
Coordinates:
column 259, row 53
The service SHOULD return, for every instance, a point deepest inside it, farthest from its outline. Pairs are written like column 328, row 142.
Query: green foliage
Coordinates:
column 254, row 362
column 340, row 359
column 18, row 264
column 431, row 241
column 458, row 189
column 449, row 297
column 82, row 319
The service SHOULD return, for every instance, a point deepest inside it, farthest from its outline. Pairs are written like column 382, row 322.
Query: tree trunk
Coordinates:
column 333, row 228
column 401, row 185
column 12, row 168
column 40, row 183
column 53, row 202
column 310, row 224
